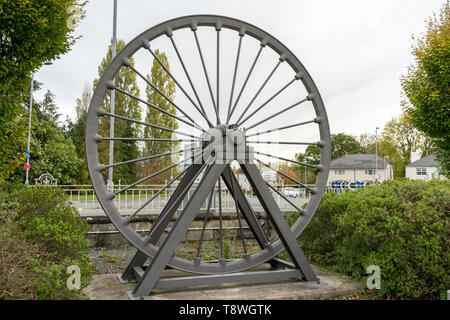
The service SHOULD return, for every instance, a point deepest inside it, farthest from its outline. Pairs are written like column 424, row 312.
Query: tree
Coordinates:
column 398, row 139
column 426, row 85
column 124, row 106
column 32, row 32
column 51, row 152
column 161, row 80
column 76, row 131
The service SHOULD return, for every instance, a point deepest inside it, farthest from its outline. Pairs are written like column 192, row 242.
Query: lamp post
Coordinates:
column 27, row 168
column 113, row 101
column 376, row 154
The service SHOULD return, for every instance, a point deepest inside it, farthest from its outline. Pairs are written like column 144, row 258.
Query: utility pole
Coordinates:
column 29, row 130
column 113, row 98
column 376, row 154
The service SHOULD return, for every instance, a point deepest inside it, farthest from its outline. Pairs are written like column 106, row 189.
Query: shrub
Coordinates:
column 55, row 236
column 401, row 226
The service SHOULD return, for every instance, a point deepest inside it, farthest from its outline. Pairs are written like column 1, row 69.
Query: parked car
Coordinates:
column 291, row 192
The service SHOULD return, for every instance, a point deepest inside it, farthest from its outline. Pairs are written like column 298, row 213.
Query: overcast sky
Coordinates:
column 356, row 51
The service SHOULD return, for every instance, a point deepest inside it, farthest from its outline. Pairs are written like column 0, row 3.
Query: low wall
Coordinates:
column 102, row 232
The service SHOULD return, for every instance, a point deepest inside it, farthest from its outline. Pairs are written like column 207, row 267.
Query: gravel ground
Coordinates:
column 115, row 260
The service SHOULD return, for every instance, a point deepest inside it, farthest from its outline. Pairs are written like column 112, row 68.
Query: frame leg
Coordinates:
column 163, row 220
column 279, row 223
column 168, row 247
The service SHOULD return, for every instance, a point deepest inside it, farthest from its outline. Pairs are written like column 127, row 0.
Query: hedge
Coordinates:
column 400, row 226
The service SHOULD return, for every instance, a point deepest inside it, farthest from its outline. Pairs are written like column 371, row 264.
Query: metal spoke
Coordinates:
column 260, row 89
column 267, row 101
column 246, row 79
column 156, row 195
column 156, row 173
column 162, row 94
column 289, row 201
column 179, row 85
column 103, row 113
column 206, row 73
column 234, row 75
column 281, row 128
column 285, row 159
column 196, row 126
column 218, row 75
column 145, row 139
column 204, row 225
column 220, row 221
column 142, row 159
column 279, row 112
column 187, row 75
column 286, row 142
column 286, row 176
column 238, row 214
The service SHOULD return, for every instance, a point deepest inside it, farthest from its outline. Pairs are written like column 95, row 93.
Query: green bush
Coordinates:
column 401, row 226
column 43, row 218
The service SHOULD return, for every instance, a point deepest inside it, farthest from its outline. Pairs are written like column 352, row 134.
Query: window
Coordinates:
column 339, row 172
column 421, row 171
column 370, row 172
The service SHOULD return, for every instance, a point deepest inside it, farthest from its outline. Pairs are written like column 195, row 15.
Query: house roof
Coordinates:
column 428, row 161
column 358, row 161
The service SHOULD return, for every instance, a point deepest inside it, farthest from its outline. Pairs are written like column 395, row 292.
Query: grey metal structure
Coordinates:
column 224, row 140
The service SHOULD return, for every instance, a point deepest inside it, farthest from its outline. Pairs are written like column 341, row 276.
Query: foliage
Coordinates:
column 123, row 106
column 427, row 84
column 76, row 132
column 398, row 139
column 341, row 144
column 162, row 81
column 51, row 152
column 32, row 32
column 401, row 226
column 51, row 236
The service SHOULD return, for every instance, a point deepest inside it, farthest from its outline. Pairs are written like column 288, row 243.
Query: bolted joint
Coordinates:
column 110, row 195
column 100, row 112
column 219, row 26
column 318, row 119
column 320, row 167
column 97, row 138
column 310, row 96
column 263, row 43
column 242, row 32
column 169, row 32
column 193, row 26
column 299, row 76
column 321, row 144
column 283, row 57
column 100, row 167
column 146, row 44
column 110, row 84
column 314, row 191
column 126, row 62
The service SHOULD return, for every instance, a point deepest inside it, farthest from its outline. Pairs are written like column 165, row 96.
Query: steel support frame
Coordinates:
column 150, row 279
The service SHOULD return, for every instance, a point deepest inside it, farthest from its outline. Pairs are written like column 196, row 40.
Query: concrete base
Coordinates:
column 108, row 287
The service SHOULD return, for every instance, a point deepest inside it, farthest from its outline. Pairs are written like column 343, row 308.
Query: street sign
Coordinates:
column 26, row 166
column 27, row 154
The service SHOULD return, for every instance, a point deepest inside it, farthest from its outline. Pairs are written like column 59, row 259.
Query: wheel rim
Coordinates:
column 242, row 29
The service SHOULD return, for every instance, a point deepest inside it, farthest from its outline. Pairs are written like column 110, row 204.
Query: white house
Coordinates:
column 426, row 168
column 360, row 167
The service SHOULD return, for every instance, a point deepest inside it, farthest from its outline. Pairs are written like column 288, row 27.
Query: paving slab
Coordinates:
column 332, row 285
